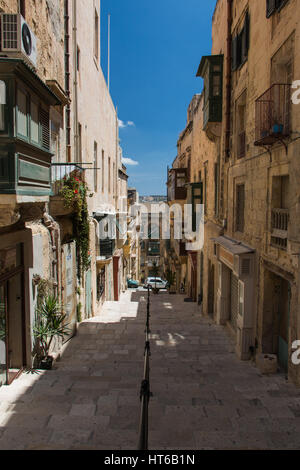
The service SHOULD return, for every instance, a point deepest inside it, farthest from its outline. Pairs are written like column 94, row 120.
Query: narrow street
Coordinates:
column 203, row 396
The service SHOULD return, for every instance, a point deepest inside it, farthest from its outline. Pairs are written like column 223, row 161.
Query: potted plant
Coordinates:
column 50, row 324
column 171, row 279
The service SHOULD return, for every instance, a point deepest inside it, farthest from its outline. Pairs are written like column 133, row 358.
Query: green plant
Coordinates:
column 50, row 323
column 79, row 312
column 74, row 192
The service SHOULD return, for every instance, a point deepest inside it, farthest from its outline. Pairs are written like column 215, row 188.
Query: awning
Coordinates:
column 233, row 246
column 102, row 212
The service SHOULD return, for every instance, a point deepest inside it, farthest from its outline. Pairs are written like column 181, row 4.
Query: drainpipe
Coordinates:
column 67, row 80
column 116, row 176
column 75, row 84
column 228, row 78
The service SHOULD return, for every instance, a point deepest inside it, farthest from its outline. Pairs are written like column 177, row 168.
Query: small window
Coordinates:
column 2, row 105
column 109, row 175
column 95, row 166
column 273, row 5
column 96, row 35
column 103, row 171
column 197, row 199
column 205, row 187
column 216, row 175
column 240, row 45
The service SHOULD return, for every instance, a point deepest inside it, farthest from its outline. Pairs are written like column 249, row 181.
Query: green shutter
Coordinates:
column 211, row 70
column 196, row 199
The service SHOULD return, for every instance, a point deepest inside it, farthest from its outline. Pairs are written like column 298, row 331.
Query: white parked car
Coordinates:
column 155, row 282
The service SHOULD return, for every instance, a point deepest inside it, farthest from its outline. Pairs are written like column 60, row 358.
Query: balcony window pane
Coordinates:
column 2, row 105
column 206, row 87
column 34, row 126
column 216, row 85
column 22, row 113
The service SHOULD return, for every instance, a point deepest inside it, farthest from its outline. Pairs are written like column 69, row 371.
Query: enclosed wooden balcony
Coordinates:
column 273, row 115
column 178, row 178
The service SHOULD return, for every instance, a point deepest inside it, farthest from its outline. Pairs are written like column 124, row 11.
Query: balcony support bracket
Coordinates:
column 268, row 149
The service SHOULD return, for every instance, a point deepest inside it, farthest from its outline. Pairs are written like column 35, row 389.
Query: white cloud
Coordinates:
column 123, row 125
column 129, row 161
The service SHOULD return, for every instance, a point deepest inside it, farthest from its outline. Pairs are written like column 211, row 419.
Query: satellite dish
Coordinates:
column 26, row 38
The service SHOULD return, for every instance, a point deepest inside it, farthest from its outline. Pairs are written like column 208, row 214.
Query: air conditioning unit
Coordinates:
column 17, row 39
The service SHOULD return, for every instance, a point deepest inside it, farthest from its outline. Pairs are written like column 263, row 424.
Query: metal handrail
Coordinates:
column 145, row 393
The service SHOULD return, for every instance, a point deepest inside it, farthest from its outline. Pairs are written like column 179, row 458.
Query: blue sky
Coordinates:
column 156, row 48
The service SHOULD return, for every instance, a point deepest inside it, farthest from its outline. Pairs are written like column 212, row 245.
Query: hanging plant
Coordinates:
column 74, row 192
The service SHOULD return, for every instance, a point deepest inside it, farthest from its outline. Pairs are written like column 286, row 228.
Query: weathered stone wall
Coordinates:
column 46, row 19
column 257, row 169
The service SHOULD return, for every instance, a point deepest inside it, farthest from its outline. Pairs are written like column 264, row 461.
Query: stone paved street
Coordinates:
column 203, row 396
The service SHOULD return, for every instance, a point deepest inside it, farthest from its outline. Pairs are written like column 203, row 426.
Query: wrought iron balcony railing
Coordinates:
column 280, row 222
column 273, row 115
column 61, row 171
column 106, row 248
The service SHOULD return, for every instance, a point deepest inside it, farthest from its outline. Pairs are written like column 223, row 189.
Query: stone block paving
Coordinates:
column 203, row 396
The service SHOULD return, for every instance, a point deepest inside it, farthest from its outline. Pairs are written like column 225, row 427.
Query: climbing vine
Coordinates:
column 74, row 192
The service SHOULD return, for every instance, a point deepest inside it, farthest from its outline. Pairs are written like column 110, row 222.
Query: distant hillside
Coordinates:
column 153, row 198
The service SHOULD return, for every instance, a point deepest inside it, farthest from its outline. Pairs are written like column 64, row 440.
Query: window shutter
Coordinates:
column 197, row 198
column 271, row 7
column 280, row 3
column 234, row 53
column 239, row 49
column 45, row 129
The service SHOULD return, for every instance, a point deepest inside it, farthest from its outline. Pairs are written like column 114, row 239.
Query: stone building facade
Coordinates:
column 55, row 134
column 244, row 159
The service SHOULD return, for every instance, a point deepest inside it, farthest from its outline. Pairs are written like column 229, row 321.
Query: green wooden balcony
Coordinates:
column 25, row 155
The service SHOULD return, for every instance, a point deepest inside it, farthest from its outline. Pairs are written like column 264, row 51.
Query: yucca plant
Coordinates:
column 50, row 324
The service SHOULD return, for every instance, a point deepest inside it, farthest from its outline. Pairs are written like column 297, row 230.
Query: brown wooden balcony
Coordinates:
column 273, row 115
column 178, row 177
column 280, row 222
